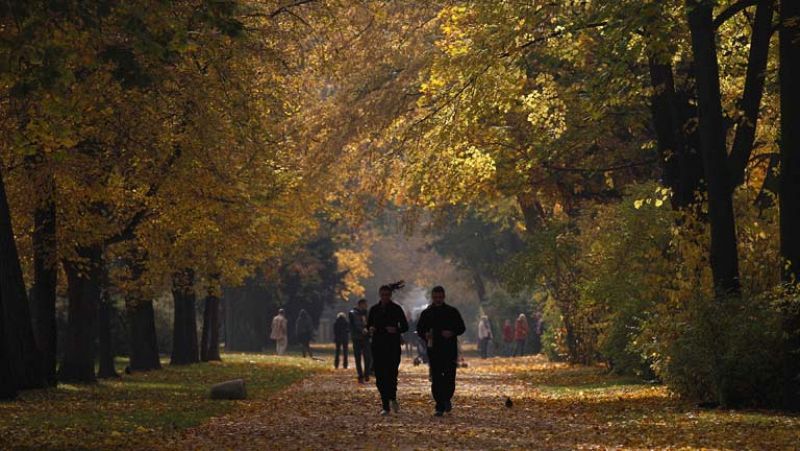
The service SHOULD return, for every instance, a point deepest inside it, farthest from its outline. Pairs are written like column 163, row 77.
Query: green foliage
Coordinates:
column 727, row 351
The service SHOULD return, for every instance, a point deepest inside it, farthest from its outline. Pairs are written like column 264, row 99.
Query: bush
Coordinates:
column 726, row 351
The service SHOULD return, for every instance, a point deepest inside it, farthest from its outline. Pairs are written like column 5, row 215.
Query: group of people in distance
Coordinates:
column 376, row 334
column 514, row 337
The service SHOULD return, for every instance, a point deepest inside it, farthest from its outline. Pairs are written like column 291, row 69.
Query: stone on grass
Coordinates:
column 233, row 389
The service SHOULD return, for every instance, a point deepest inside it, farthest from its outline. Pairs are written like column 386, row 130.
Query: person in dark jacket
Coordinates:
column 304, row 331
column 440, row 325
column 386, row 322
column 341, row 336
column 360, row 335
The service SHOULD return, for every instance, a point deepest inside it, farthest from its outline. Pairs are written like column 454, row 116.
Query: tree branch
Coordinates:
column 732, row 10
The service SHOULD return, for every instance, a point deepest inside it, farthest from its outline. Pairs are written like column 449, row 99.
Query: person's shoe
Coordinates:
column 438, row 413
column 366, row 379
column 395, row 406
column 384, row 413
column 360, row 380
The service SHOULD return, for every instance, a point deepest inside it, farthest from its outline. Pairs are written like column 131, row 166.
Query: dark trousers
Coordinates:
column 385, row 362
column 361, row 350
column 443, row 382
column 341, row 346
column 483, row 346
column 520, row 349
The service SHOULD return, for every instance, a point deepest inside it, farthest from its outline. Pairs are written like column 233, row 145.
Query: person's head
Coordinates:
column 281, row 312
column 484, row 318
column 302, row 312
column 340, row 315
column 521, row 317
column 362, row 304
column 437, row 295
column 385, row 293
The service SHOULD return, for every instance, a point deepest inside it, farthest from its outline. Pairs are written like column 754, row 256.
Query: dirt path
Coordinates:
column 555, row 407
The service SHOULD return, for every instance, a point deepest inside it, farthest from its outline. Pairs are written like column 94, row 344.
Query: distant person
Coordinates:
column 304, row 331
column 408, row 337
column 341, row 336
column 360, row 336
column 440, row 325
column 280, row 332
column 508, row 338
column 520, row 334
column 386, row 323
column 484, row 336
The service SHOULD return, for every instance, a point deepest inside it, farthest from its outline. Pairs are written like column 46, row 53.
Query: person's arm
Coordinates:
column 403, row 322
column 459, row 327
column 371, row 320
column 421, row 326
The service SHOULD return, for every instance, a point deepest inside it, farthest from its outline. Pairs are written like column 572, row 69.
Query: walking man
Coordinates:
column 280, row 332
column 360, row 335
column 386, row 321
column 440, row 325
column 341, row 336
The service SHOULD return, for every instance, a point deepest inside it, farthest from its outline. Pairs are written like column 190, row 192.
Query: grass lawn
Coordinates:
column 143, row 408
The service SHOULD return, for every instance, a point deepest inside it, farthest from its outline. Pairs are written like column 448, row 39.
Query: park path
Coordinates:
column 331, row 411
column 555, row 406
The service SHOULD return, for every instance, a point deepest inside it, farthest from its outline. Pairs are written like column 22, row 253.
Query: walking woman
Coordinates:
column 520, row 334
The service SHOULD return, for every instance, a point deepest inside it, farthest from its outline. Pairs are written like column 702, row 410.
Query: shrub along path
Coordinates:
column 555, row 406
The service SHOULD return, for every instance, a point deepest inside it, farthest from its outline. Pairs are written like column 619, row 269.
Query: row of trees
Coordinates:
column 147, row 147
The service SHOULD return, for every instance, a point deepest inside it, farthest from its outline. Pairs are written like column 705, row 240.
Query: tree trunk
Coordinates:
column 789, row 186
column 45, row 280
column 23, row 354
column 8, row 383
column 209, row 346
column 144, row 346
column 107, row 369
column 682, row 168
column 184, row 341
column 723, row 255
column 84, row 280
column 750, row 103
column 480, row 287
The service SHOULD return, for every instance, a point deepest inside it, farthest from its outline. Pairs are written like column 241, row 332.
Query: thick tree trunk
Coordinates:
column 84, row 280
column 8, row 382
column 789, row 185
column 184, row 341
column 209, row 345
column 682, row 166
column 141, row 320
column 723, row 255
column 20, row 342
column 107, row 369
column 45, row 279
column 143, row 345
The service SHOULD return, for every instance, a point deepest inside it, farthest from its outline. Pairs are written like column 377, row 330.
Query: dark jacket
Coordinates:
column 341, row 330
column 304, row 328
column 358, row 322
column 383, row 316
column 439, row 318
